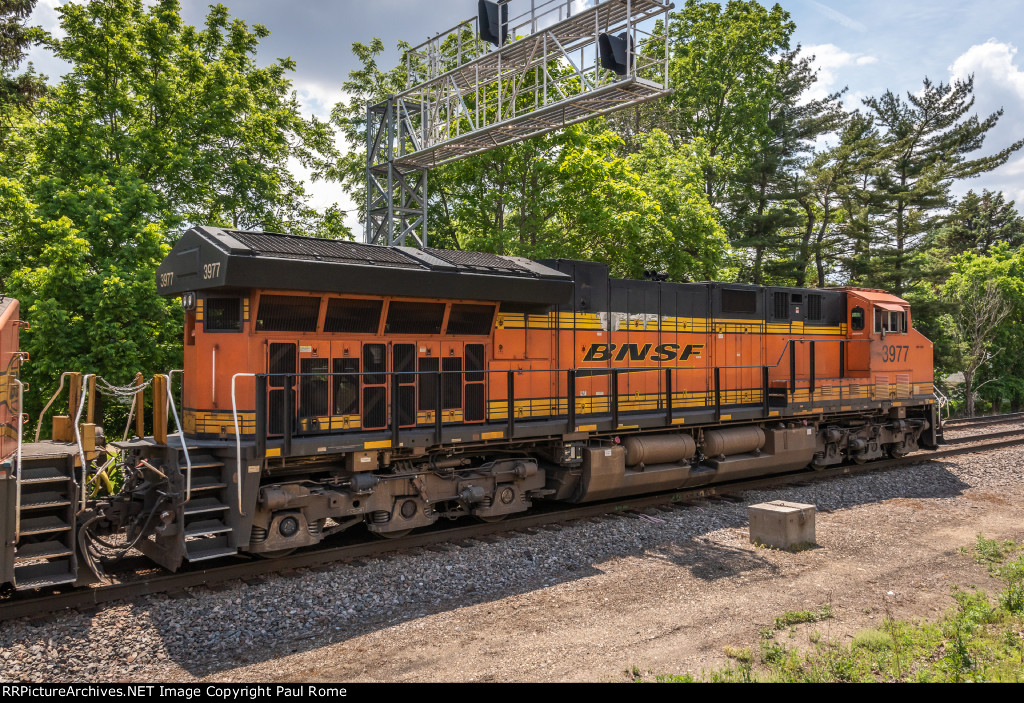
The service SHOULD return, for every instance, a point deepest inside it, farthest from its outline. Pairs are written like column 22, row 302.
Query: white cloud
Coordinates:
column 45, row 15
column 316, row 98
column 998, row 84
column 991, row 63
column 828, row 60
column 837, row 16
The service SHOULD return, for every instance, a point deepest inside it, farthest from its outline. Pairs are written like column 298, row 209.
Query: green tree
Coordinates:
column 723, row 75
column 985, row 322
column 576, row 193
column 15, row 37
column 774, row 213
column 156, row 126
column 979, row 222
column 929, row 139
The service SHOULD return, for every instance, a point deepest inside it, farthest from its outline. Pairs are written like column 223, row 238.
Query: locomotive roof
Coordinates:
column 210, row 257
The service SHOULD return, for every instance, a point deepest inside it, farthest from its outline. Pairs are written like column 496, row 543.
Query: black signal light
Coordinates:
column 493, row 22
column 616, row 52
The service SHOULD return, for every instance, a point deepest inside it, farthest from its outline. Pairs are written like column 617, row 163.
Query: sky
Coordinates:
column 868, row 47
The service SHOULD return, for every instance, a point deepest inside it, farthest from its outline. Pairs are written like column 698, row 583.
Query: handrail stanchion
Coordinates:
column 261, row 414
column 78, row 436
column 288, row 422
column 238, row 439
column 792, row 370
column 764, row 391
column 39, row 425
column 394, row 409
column 511, row 403
column 17, row 467
column 718, row 394
column 438, row 421
column 615, row 399
column 668, row 396
column 181, row 435
column 570, row 392
column 810, row 393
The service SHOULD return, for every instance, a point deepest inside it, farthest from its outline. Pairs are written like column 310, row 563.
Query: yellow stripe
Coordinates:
column 492, row 435
column 273, row 452
column 586, row 428
column 383, row 444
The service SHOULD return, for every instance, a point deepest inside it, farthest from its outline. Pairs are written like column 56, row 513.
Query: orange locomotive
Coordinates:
column 329, row 384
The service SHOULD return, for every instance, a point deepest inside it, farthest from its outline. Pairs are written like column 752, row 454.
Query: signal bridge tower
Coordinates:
column 493, row 80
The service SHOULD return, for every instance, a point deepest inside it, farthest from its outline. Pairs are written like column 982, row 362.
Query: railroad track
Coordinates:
column 963, row 423
column 346, row 548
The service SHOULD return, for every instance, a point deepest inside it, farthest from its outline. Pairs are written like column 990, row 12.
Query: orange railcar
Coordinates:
column 329, row 384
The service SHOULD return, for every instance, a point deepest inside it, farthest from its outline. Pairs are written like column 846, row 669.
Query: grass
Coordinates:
column 980, row 638
column 798, row 617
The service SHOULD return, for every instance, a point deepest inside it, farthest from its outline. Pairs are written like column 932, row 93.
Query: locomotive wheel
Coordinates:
column 394, row 534
column 491, row 518
column 276, row 554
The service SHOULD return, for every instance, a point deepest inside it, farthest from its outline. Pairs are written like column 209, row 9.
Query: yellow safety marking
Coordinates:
column 896, row 405
column 492, row 435
column 273, row 452
column 845, row 407
column 383, row 444
column 629, row 427
column 818, row 410
column 679, row 421
column 726, row 417
column 773, row 413
column 586, row 428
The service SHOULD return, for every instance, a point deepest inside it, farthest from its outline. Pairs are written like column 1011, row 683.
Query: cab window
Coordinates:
column 223, row 315
column 857, row 319
column 890, row 321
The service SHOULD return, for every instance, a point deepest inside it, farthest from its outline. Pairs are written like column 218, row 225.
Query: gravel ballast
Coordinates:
column 664, row 591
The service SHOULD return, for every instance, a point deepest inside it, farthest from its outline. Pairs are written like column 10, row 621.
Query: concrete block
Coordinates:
column 781, row 524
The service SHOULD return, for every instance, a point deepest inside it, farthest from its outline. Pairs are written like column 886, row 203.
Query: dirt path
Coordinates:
column 671, row 608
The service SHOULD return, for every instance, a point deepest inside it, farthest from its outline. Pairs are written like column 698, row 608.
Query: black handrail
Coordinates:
column 666, row 402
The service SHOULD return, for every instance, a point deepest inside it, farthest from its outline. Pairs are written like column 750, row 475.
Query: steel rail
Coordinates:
column 983, row 420
column 29, row 605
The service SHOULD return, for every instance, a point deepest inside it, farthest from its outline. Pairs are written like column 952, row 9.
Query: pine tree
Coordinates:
column 16, row 91
column 773, row 209
column 929, row 139
column 979, row 222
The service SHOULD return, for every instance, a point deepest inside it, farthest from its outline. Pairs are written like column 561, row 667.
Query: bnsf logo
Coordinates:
column 634, row 352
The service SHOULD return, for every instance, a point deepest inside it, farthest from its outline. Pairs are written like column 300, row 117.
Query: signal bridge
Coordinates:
column 492, row 81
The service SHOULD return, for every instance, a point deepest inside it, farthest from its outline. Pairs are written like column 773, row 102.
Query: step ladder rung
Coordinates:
column 213, row 553
column 41, row 550
column 45, row 573
column 39, row 501
column 201, row 467
column 198, row 485
column 206, row 527
column 44, row 581
column 204, row 505
column 42, row 525
column 43, row 474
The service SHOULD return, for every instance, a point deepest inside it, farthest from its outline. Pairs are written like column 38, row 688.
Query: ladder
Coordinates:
column 206, row 517
column 44, row 550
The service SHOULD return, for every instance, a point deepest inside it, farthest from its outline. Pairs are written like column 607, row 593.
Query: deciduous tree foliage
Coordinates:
column 985, row 324
column 157, row 125
column 577, row 193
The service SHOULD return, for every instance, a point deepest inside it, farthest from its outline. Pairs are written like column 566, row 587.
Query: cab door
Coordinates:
column 282, row 358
